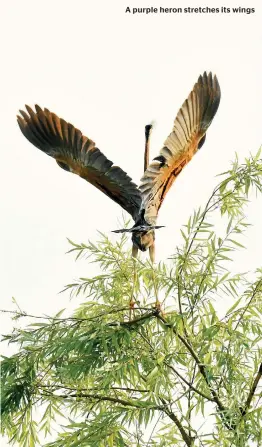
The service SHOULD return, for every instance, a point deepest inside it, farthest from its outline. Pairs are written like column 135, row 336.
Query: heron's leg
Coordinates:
column 152, row 252
column 132, row 298
column 152, row 258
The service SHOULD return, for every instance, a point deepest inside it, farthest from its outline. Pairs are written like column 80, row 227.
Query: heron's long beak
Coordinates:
column 140, row 228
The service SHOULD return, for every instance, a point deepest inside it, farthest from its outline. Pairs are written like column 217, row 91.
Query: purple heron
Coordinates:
column 78, row 154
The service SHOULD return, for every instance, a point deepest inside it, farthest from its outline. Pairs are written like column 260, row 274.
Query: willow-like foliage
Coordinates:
column 186, row 374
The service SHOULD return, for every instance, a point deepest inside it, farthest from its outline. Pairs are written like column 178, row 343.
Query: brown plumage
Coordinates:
column 190, row 126
column 78, row 154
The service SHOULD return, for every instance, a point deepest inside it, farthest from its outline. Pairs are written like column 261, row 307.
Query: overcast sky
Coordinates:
column 109, row 73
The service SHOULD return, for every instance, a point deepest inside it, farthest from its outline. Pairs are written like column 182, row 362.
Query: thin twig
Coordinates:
column 107, row 312
column 192, row 388
column 92, row 389
column 80, row 320
column 188, row 440
column 190, row 397
column 153, row 429
column 259, row 283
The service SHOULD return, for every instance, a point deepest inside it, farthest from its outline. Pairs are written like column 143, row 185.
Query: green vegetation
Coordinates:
column 183, row 375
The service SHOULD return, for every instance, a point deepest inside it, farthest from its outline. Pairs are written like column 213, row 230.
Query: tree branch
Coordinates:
column 98, row 397
column 129, row 390
column 244, row 309
column 201, row 368
column 188, row 440
column 252, row 391
column 152, row 313
column 205, row 396
column 257, row 289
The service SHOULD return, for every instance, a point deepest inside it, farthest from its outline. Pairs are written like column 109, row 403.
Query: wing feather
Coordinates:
column 190, row 126
column 76, row 153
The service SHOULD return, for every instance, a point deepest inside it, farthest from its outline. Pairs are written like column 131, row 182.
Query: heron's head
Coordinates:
column 143, row 239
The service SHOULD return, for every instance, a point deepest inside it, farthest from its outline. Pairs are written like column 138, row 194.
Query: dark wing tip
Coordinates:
column 29, row 109
column 38, row 108
column 123, row 230
column 208, row 90
column 20, row 120
column 64, row 142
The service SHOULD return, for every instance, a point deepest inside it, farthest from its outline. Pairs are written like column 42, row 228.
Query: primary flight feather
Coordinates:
column 78, row 154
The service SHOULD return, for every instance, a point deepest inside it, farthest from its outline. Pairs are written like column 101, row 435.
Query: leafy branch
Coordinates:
column 169, row 369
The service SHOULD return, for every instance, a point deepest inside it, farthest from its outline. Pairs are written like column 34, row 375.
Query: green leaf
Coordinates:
column 232, row 308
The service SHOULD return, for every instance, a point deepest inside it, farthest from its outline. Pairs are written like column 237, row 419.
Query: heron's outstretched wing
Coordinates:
column 76, row 153
column 187, row 136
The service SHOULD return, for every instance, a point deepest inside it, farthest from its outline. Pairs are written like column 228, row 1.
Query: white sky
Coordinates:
column 109, row 74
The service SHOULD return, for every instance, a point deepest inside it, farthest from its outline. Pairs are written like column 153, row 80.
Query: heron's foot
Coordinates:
column 131, row 307
column 158, row 305
column 132, row 303
column 159, row 308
